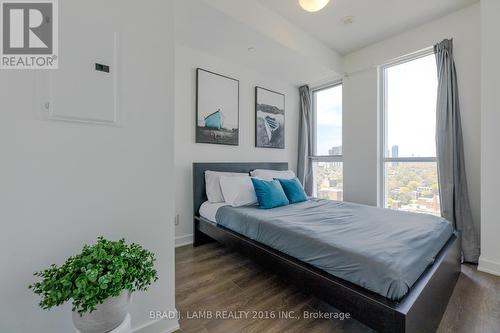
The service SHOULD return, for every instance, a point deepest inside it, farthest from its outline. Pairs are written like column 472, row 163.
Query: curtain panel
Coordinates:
column 455, row 205
column 304, row 163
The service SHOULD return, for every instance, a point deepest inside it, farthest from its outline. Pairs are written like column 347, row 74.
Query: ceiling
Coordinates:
column 244, row 38
column 373, row 20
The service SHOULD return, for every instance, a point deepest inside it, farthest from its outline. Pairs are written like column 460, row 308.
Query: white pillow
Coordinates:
column 238, row 191
column 271, row 174
column 212, row 184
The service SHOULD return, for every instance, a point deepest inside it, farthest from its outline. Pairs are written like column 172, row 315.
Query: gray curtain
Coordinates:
column 455, row 206
column 304, row 163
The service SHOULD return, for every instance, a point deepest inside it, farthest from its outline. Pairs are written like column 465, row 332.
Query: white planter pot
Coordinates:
column 107, row 316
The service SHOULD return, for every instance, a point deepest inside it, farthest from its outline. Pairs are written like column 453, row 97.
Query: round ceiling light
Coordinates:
column 313, row 5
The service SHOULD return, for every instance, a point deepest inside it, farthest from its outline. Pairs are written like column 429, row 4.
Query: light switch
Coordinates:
column 102, row 68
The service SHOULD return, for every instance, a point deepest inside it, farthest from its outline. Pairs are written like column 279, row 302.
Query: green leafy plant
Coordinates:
column 100, row 271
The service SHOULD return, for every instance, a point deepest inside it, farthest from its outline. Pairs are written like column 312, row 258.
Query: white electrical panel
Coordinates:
column 85, row 87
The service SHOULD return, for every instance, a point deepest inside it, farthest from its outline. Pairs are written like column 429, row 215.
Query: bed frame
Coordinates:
column 419, row 311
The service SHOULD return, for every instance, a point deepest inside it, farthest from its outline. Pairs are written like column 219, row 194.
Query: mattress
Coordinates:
column 208, row 210
column 382, row 250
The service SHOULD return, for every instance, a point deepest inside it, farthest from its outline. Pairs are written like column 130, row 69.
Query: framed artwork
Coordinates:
column 217, row 108
column 269, row 119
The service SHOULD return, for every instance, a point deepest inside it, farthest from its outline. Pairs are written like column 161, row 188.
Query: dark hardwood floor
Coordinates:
column 213, row 281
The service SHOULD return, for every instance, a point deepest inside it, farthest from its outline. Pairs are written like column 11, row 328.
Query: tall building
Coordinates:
column 335, row 151
column 395, row 154
column 395, row 151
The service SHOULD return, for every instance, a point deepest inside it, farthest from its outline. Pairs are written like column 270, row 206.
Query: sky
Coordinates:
column 329, row 119
column 411, row 111
column 411, row 107
column 216, row 92
column 270, row 98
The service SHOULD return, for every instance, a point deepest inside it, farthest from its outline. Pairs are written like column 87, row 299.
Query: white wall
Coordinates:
column 490, row 159
column 63, row 184
column 361, row 101
column 187, row 151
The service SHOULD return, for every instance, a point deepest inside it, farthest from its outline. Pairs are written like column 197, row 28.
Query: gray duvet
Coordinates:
column 381, row 250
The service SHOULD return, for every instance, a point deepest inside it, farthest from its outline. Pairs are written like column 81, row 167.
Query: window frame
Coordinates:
column 383, row 126
column 324, row 158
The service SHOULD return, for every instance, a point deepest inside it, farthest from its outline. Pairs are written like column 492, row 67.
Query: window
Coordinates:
column 409, row 176
column 327, row 143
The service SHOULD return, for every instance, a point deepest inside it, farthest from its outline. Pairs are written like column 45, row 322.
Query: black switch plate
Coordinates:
column 102, row 68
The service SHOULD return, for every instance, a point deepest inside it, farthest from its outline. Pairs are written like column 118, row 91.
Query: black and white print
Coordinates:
column 269, row 119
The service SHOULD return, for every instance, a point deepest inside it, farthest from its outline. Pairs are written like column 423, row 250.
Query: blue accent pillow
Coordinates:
column 293, row 190
column 269, row 193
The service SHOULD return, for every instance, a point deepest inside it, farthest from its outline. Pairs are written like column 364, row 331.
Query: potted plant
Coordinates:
column 99, row 282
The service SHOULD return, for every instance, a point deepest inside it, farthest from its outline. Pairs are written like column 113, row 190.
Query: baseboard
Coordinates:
column 183, row 240
column 488, row 266
column 158, row 326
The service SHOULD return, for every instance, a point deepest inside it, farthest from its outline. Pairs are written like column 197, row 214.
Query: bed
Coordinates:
column 397, row 297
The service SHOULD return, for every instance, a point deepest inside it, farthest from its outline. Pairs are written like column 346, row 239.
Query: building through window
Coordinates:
column 327, row 159
column 409, row 177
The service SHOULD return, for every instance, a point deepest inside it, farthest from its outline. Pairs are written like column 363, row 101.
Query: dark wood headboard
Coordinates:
column 199, row 193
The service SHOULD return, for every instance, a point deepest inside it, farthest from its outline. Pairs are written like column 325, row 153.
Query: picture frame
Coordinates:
column 217, row 108
column 269, row 118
